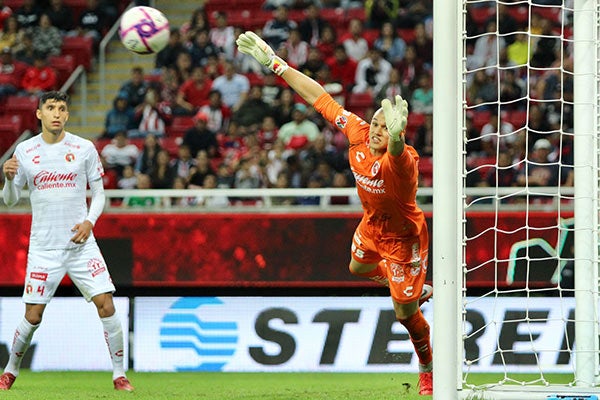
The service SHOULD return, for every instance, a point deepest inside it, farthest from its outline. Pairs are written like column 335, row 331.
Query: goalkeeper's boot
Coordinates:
column 426, row 294
column 6, row 381
column 122, row 383
column 426, row 383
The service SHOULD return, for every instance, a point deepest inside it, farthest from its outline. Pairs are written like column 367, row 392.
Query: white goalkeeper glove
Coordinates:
column 395, row 116
column 250, row 43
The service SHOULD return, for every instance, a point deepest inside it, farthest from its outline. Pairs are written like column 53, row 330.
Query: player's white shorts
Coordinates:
column 84, row 265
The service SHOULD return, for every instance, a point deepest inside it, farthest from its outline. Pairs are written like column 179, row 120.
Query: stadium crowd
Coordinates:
column 209, row 116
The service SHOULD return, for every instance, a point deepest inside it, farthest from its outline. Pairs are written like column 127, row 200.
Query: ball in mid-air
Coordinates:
column 144, row 30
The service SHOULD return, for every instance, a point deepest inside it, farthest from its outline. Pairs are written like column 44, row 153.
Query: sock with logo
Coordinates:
column 418, row 329
column 22, row 339
column 113, row 334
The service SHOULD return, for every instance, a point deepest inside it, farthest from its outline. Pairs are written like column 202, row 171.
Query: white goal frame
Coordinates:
column 449, row 217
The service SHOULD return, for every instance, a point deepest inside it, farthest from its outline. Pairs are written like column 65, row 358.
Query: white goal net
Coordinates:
column 515, row 214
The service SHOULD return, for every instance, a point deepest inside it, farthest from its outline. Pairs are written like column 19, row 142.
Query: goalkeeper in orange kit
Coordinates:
column 390, row 244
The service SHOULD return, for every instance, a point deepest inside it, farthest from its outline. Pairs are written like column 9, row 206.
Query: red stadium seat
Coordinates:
column 11, row 128
column 480, row 118
column 359, row 103
column 64, row 66
column 81, row 48
column 407, row 34
column 481, row 14
column 426, row 171
column 25, row 107
column 179, row 126
column 335, row 16
column 356, row 12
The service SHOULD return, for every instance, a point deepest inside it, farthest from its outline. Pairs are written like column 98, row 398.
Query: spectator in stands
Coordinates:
column 319, row 151
column 423, row 44
column 518, row 51
column 120, row 152
column 202, row 48
column 343, row 180
column 312, row 25
column 247, row 175
column 285, row 106
column 92, row 22
column 267, row 134
column 413, row 12
column 423, row 140
column 355, row 44
column 200, row 138
column 297, row 49
column 253, row 110
column 135, row 88
column 504, row 174
column 271, row 89
column 46, row 37
column 421, row 100
column 120, row 117
column 128, row 180
column 538, row 123
column 168, row 86
column 372, row 73
column 146, row 159
column 222, row 35
column 39, row 77
column 5, row 13
column 282, row 182
column 198, row 20
column 162, row 173
column 539, row 170
column 143, row 182
column 379, row 12
column 24, row 50
column 485, row 52
column 217, row 112
column 391, row 45
column 300, row 132
column 327, row 42
column 153, row 115
column 512, row 89
column 192, row 94
column 208, row 200
column 184, row 162
column 28, row 14
column 313, row 64
column 507, row 24
column 483, row 89
column 392, row 88
column 61, row 16
column 10, row 34
column 410, row 68
column 199, row 171
column 234, row 87
column 547, row 47
column 277, row 30
column 343, row 68
column 167, row 56
column 11, row 73
column 183, row 66
column 496, row 136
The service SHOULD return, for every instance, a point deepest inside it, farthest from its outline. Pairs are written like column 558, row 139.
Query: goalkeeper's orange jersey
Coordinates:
column 387, row 184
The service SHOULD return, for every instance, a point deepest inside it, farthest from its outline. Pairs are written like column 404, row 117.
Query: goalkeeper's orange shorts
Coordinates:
column 404, row 259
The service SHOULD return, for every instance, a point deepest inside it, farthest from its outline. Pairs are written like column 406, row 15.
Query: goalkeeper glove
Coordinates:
column 250, row 43
column 395, row 116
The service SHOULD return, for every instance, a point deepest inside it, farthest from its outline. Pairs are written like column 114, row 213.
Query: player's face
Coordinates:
column 378, row 133
column 54, row 115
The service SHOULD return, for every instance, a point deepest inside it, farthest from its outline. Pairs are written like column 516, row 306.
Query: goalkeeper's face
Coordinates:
column 378, row 133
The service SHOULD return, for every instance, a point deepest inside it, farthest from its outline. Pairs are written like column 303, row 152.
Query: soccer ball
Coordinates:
column 144, row 30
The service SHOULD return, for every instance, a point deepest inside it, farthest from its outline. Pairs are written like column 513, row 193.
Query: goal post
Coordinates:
column 453, row 206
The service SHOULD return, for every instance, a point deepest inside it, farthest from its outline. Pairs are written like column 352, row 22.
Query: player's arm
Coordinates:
column 82, row 231
column 11, row 193
column 250, row 43
column 396, row 116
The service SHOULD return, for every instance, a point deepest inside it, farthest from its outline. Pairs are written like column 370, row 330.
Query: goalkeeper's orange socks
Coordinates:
column 418, row 329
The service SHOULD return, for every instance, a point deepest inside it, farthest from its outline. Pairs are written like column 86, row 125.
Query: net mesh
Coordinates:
column 519, row 169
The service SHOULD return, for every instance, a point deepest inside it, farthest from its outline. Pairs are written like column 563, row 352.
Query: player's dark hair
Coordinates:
column 53, row 95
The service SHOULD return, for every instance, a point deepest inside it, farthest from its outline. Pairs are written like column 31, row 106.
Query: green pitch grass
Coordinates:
column 224, row 386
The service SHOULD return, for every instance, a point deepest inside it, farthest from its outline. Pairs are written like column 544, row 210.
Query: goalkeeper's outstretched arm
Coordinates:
column 250, row 43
